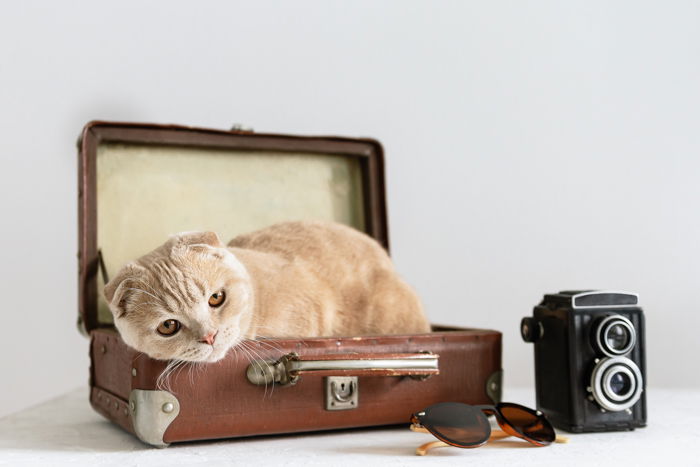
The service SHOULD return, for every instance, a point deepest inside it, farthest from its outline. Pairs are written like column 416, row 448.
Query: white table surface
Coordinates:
column 66, row 431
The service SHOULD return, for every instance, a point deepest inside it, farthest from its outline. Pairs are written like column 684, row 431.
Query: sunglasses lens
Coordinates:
column 457, row 424
column 528, row 422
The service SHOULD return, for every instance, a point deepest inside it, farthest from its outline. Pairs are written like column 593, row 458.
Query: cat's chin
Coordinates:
column 215, row 355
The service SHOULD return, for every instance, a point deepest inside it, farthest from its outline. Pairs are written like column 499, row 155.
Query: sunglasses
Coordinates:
column 467, row 426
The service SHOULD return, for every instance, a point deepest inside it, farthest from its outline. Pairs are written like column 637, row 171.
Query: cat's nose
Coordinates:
column 209, row 338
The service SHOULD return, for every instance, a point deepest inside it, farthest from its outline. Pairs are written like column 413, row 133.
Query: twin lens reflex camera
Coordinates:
column 589, row 360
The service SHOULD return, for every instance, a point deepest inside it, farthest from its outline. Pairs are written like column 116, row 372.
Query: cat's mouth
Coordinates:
column 214, row 353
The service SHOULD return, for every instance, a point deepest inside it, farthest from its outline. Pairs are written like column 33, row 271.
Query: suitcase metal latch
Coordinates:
column 341, row 392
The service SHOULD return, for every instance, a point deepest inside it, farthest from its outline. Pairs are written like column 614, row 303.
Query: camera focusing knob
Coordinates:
column 531, row 330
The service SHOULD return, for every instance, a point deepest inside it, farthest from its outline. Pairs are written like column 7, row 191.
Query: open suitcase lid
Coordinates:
column 140, row 183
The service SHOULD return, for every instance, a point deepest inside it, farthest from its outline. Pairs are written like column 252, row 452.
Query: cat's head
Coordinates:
column 189, row 299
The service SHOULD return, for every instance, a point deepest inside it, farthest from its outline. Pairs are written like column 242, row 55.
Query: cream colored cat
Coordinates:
column 194, row 299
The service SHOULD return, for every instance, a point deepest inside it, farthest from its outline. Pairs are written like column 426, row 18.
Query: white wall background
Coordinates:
column 531, row 146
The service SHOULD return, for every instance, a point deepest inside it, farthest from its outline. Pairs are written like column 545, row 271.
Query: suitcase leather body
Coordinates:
column 266, row 386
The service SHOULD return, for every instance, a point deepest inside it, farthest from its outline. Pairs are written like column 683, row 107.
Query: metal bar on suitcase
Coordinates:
column 290, row 367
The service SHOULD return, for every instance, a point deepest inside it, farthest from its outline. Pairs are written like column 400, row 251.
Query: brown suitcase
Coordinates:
column 140, row 182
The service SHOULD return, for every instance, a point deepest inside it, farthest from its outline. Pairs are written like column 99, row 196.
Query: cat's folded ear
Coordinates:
column 195, row 241
column 197, row 238
column 116, row 290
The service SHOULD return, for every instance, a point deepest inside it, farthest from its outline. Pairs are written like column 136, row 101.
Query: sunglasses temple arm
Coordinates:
column 423, row 449
column 500, row 434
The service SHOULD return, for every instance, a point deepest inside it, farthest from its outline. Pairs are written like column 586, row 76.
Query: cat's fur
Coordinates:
column 295, row 279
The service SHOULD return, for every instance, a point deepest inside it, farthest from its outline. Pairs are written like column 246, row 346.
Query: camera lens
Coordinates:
column 617, row 337
column 616, row 383
column 620, row 383
column 614, row 335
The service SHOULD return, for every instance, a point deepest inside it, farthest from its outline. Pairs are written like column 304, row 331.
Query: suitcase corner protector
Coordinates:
column 152, row 412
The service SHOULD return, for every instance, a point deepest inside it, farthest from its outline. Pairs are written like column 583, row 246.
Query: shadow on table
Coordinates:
column 410, row 450
column 93, row 436
column 64, row 424
column 406, row 449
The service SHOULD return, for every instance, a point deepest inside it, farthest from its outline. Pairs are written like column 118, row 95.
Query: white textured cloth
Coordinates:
column 65, row 431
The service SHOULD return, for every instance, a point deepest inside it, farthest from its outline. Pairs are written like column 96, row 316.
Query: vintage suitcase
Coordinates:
column 138, row 183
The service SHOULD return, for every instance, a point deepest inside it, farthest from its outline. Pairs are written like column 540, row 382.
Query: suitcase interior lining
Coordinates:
column 146, row 193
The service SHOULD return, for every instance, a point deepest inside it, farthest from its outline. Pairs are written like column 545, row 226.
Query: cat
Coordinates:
column 193, row 299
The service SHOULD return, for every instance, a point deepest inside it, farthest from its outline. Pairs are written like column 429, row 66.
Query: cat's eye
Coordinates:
column 217, row 299
column 169, row 327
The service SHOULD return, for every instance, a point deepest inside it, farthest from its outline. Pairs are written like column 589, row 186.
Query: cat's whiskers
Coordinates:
column 184, row 364
column 193, row 366
column 248, row 343
column 163, row 381
column 269, row 345
column 263, row 360
column 259, row 336
column 243, row 345
column 245, row 353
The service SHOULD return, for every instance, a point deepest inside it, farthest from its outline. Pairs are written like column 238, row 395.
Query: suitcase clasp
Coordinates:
column 341, row 392
column 264, row 372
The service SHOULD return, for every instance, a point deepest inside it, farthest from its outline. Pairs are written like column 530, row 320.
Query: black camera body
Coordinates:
column 589, row 360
